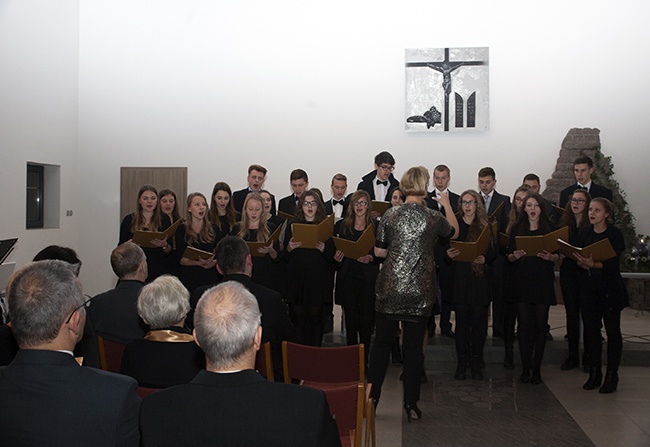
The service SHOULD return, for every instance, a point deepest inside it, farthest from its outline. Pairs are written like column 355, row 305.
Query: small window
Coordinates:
column 35, row 196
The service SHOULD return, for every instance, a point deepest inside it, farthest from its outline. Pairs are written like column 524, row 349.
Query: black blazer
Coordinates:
column 288, row 204
column 594, row 191
column 239, row 197
column 48, row 399
column 276, row 325
column 497, row 199
column 367, row 186
column 329, row 206
column 114, row 314
column 237, row 409
column 159, row 364
column 453, row 199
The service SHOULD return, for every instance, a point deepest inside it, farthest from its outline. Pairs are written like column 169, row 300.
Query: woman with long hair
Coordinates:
column 308, row 271
column 470, row 289
column 255, row 227
column 222, row 211
column 148, row 217
column 199, row 233
column 602, row 296
column 169, row 204
column 406, row 285
column 533, row 287
column 509, row 311
column 355, row 283
column 576, row 217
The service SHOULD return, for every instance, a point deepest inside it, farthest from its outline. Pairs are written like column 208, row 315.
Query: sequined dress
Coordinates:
column 406, row 285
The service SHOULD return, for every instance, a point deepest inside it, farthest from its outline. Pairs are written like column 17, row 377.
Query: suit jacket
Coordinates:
column 367, row 186
column 329, row 206
column 453, row 200
column 160, row 364
column 239, row 197
column 595, row 190
column 276, row 325
column 114, row 314
column 48, row 399
column 497, row 199
column 237, row 409
column 288, row 204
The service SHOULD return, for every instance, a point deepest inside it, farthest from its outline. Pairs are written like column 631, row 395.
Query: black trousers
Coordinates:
column 413, row 339
column 570, row 293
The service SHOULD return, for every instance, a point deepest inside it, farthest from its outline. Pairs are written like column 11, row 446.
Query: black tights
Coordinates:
column 309, row 322
column 471, row 330
column 533, row 326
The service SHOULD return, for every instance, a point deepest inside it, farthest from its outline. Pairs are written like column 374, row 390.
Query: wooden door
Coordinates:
column 132, row 179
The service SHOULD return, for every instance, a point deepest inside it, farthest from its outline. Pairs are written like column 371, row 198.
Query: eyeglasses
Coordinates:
column 574, row 200
column 361, row 203
column 86, row 304
column 310, row 204
column 468, row 202
column 387, row 167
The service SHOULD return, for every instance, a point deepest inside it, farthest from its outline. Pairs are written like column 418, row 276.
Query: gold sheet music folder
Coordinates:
column 195, row 254
column 144, row 238
column 310, row 234
column 360, row 247
column 253, row 246
column 533, row 245
column 380, row 206
column 472, row 250
column 601, row 250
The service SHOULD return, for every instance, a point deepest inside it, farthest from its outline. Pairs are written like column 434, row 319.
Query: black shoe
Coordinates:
column 477, row 373
column 536, row 378
column 570, row 363
column 509, row 361
column 412, row 412
column 610, row 384
column 448, row 333
column 566, row 336
column 595, row 378
column 461, row 368
column 549, row 337
column 524, row 378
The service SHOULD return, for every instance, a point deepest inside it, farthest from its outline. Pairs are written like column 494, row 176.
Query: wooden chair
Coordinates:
column 322, row 368
column 143, row 391
column 264, row 363
column 346, row 402
column 110, row 354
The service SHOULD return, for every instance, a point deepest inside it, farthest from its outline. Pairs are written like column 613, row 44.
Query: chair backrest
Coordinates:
column 346, row 406
column 328, row 365
column 110, row 354
column 143, row 391
column 263, row 362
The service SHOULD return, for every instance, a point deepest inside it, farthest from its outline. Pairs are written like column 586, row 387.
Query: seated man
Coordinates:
column 47, row 398
column 230, row 404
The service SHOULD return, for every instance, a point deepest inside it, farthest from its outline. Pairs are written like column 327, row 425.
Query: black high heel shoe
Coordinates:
column 610, row 384
column 595, row 378
column 412, row 412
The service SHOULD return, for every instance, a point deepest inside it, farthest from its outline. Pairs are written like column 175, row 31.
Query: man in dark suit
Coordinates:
column 47, row 398
column 533, row 181
column 114, row 314
column 441, row 179
column 487, row 180
column 299, row 181
column 583, row 168
column 378, row 182
column 229, row 403
column 255, row 179
column 338, row 204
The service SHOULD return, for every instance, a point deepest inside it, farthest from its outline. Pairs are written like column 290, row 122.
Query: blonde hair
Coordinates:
column 263, row 232
column 207, row 233
column 415, row 181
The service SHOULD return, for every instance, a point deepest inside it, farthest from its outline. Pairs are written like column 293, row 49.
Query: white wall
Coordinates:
column 216, row 86
column 39, row 49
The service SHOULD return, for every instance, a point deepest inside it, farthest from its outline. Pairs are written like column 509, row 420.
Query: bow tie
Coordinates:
column 382, row 182
column 582, row 187
column 337, row 202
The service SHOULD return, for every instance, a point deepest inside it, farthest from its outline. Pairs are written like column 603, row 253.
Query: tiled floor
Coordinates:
column 556, row 413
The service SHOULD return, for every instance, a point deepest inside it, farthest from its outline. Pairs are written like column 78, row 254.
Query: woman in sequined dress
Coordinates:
column 405, row 289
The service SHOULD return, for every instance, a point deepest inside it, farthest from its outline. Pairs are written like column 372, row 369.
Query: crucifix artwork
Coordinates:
column 447, row 89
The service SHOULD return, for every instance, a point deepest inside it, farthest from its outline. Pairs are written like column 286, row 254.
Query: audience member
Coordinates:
column 47, row 398
column 229, row 403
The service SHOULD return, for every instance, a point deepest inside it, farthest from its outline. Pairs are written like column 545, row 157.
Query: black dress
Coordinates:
column 193, row 277
column 263, row 266
column 307, row 282
column 355, row 291
column 157, row 260
column 570, row 284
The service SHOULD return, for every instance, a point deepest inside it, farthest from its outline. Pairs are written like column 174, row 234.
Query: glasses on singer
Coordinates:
column 387, row 168
column 468, row 202
column 310, row 204
column 361, row 203
column 578, row 201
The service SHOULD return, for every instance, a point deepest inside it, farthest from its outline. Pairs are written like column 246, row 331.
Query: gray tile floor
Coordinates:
column 556, row 413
